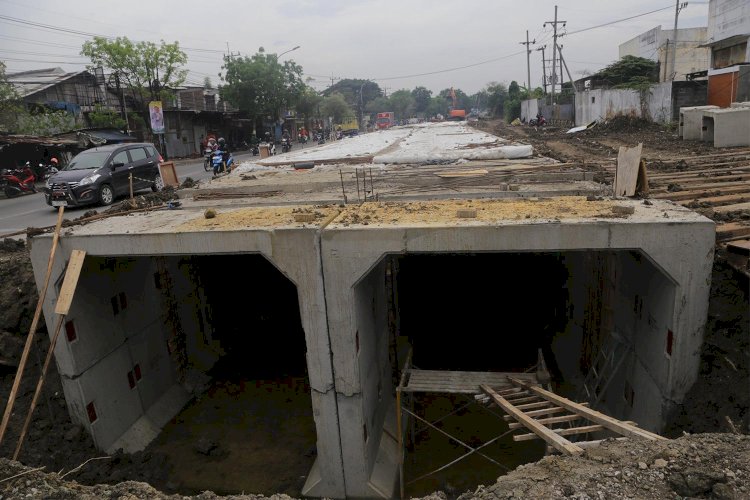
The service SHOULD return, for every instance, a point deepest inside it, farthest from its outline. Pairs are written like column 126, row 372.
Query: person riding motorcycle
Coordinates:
column 221, row 146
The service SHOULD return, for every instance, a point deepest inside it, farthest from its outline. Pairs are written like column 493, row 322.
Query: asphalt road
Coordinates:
column 30, row 210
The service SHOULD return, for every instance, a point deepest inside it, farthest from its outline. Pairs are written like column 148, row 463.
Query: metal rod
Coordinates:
column 462, row 457
column 356, row 173
column 343, row 191
column 441, row 431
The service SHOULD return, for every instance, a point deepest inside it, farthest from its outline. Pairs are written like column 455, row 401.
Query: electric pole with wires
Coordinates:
column 554, row 50
column 528, row 59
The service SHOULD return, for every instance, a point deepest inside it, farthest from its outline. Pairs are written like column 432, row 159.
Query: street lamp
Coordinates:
column 287, row 51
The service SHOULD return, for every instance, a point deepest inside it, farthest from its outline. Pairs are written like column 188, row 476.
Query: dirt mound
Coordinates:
column 18, row 298
column 695, row 466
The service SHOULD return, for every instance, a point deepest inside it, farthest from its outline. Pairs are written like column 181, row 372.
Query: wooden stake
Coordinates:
column 64, row 300
column 32, row 329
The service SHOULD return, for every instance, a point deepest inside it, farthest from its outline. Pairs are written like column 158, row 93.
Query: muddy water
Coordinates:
column 474, row 426
column 251, row 436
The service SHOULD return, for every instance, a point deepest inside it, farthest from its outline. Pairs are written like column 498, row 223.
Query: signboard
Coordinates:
column 157, row 117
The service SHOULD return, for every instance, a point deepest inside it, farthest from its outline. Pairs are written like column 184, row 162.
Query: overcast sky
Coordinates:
column 383, row 40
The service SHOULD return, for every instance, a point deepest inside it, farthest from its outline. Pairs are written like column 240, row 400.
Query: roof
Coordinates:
column 30, row 82
column 34, row 139
column 86, row 138
column 732, row 40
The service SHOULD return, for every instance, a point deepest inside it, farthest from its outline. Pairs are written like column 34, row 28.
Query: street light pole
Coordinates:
column 286, row 51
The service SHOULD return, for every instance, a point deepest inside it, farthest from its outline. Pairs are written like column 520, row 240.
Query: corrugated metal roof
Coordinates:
column 27, row 83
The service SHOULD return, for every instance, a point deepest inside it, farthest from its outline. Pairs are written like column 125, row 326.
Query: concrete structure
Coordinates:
column 728, row 35
column 727, row 127
column 691, row 122
column 542, row 264
column 657, row 44
column 530, row 108
column 660, row 103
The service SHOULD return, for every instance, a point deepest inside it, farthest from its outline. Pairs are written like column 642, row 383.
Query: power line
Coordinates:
column 451, row 69
column 617, row 21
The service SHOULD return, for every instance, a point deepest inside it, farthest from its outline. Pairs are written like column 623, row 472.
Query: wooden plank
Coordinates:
column 559, row 442
column 641, row 184
column 626, row 175
column 531, row 406
column 719, row 200
column 674, row 175
column 732, row 208
column 512, row 396
column 593, row 415
column 550, row 420
column 462, row 173
column 530, row 399
column 704, row 191
column 741, row 247
column 168, row 174
column 544, row 412
column 32, row 328
column 73, row 272
column 563, row 432
column 732, row 231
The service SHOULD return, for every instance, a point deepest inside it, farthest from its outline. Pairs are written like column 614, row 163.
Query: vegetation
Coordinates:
column 147, row 70
column 262, row 86
column 106, row 118
column 629, row 72
column 335, row 106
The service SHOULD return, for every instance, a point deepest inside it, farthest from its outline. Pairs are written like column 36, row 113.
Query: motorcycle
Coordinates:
column 302, row 139
column 18, row 181
column 539, row 121
column 320, row 138
column 286, row 145
column 207, row 164
column 219, row 164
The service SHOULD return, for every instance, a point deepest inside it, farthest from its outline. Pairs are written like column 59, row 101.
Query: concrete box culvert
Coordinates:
column 124, row 321
column 653, row 265
column 656, row 261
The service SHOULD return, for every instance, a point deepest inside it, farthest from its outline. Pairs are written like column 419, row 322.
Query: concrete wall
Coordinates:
column 658, row 104
column 350, row 254
column 691, row 122
column 657, row 44
column 559, row 112
column 727, row 127
column 122, row 418
column 529, row 109
column 727, row 18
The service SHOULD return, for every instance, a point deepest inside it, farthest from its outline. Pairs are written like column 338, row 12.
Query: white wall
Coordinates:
column 728, row 18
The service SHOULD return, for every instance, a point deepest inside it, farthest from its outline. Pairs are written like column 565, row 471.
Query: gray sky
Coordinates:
column 383, row 40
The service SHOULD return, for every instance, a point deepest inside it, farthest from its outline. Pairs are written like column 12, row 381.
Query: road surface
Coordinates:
column 30, row 210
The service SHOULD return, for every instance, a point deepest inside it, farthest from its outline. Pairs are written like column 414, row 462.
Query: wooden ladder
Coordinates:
column 533, row 407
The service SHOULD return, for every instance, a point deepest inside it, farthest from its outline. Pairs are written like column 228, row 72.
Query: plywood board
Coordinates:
column 463, row 173
column 626, row 177
column 72, row 273
column 168, row 173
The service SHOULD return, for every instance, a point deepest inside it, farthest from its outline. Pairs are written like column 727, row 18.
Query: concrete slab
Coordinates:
column 727, row 127
column 691, row 121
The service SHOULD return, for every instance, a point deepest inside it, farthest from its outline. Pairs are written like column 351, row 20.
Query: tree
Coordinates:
column 335, row 106
column 146, row 69
column 422, row 98
column 260, row 85
column 207, row 83
column 106, row 118
column 8, row 102
column 308, row 103
column 462, row 100
column 629, row 72
column 378, row 105
column 402, row 104
column 497, row 94
column 437, row 106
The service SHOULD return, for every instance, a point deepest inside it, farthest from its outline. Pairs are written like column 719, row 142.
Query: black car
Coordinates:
column 99, row 175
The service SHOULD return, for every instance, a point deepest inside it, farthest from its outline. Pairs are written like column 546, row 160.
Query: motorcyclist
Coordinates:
column 223, row 148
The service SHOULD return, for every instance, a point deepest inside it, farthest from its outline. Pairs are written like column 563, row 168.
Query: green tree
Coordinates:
column 378, row 105
column 437, row 106
column 422, row 98
column 260, row 85
column 106, row 118
column 9, row 102
column 462, row 100
column 146, row 69
column 335, row 106
column 514, row 91
column 308, row 104
column 629, row 72
column 207, row 83
column 45, row 122
column 497, row 94
column 402, row 104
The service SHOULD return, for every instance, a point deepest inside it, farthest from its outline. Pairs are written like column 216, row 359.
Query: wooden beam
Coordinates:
column 546, row 411
column 719, row 200
column 562, row 432
column 32, row 329
column 703, row 191
column 68, row 288
column 610, row 423
column 550, row 420
column 531, row 406
column 529, row 399
column 559, row 442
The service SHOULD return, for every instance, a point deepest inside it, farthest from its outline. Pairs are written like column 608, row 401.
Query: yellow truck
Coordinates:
column 348, row 126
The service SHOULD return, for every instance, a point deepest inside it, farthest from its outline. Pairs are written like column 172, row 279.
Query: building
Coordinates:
column 728, row 33
column 657, row 44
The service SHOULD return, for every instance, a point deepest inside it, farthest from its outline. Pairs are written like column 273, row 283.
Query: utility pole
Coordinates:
column 528, row 60
column 562, row 78
column 677, row 8
column 572, row 83
column 544, row 68
column 554, row 50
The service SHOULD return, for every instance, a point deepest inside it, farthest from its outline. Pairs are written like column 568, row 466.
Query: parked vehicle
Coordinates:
column 286, row 145
column 349, row 126
column 100, row 175
column 385, row 120
column 18, row 181
column 221, row 164
column 207, row 153
column 539, row 121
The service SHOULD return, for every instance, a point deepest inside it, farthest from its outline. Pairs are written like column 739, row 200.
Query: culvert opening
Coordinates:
column 494, row 312
column 225, row 327
column 252, row 430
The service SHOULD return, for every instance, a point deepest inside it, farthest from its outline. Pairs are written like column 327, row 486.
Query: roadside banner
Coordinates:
column 157, row 117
